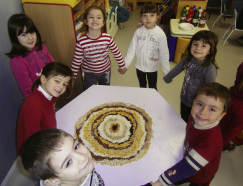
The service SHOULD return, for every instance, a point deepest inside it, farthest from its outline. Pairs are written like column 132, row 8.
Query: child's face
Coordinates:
column 56, row 85
column 149, row 20
column 95, row 20
column 27, row 40
column 72, row 162
column 200, row 50
column 206, row 110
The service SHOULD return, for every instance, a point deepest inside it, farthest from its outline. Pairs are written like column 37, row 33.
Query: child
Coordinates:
column 203, row 143
column 54, row 157
column 92, row 48
column 149, row 43
column 38, row 110
column 232, row 123
column 199, row 66
column 28, row 54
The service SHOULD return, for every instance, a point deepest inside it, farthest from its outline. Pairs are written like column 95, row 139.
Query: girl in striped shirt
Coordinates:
column 92, row 49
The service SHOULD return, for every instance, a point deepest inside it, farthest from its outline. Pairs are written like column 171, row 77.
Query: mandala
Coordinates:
column 116, row 133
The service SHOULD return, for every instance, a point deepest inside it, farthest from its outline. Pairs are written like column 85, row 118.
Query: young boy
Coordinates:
column 56, row 158
column 203, row 143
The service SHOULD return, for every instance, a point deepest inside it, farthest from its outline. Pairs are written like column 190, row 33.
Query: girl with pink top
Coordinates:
column 28, row 54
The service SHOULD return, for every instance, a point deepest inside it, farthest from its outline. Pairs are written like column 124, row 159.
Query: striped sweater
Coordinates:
column 203, row 147
column 94, row 54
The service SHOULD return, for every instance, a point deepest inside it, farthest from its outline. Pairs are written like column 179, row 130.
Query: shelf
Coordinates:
column 79, row 26
column 77, row 14
column 82, row 33
column 98, row 3
column 89, row 3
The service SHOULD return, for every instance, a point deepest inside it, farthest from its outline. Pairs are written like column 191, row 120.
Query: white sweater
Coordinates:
column 150, row 47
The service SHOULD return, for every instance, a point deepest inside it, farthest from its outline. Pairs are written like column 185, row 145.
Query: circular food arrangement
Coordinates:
column 116, row 133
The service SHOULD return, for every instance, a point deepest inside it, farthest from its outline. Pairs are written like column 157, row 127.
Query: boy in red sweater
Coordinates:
column 203, row 143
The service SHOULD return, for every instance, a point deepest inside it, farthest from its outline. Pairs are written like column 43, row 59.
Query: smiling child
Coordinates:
column 203, row 143
column 56, row 158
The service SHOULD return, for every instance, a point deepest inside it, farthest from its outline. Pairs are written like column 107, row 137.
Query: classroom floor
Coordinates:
column 228, row 58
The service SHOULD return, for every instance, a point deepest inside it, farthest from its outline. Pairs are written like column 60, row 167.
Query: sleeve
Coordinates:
column 77, row 59
column 30, row 120
column 196, row 159
column 21, row 73
column 131, row 50
column 210, row 75
column 164, row 54
column 234, row 119
column 117, row 54
column 239, row 73
column 174, row 72
column 51, row 59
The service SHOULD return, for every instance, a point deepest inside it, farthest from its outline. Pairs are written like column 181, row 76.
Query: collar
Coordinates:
column 204, row 127
column 149, row 30
column 44, row 93
column 86, row 179
column 198, row 62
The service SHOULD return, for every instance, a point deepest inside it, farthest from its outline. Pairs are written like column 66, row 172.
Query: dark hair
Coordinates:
column 149, row 7
column 37, row 151
column 216, row 90
column 207, row 37
column 55, row 69
column 16, row 25
column 87, row 13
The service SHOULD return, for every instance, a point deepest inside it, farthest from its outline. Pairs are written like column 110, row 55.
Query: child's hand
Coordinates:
column 166, row 82
column 122, row 70
column 157, row 183
column 148, row 184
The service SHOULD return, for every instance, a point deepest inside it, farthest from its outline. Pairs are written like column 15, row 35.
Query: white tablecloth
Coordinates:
column 166, row 147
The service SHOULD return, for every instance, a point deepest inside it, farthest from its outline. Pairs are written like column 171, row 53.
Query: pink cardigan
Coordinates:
column 27, row 69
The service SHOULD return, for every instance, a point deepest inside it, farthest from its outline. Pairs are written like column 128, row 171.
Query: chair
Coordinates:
column 223, row 12
column 233, row 26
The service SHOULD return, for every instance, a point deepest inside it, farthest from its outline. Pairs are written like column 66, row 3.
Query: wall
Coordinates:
column 11, row 98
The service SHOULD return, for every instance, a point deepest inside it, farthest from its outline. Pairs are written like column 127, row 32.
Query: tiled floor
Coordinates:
column 228, row 58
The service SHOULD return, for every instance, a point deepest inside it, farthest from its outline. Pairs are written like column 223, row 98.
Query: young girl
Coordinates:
column 149, row 43
column 38, row 110
column 232, row 122
column 199, row 66
column 92, row 48
column 28, row 54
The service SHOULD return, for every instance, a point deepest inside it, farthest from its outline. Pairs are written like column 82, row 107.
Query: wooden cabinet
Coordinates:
column 55, row 21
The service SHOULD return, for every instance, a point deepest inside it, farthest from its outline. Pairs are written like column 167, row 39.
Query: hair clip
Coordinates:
column 21, row 17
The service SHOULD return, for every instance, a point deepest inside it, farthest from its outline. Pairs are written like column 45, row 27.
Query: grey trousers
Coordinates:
column 93, row 79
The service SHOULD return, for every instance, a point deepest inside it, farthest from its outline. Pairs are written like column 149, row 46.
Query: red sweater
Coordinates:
column 36, row 113
column 203, row 148
column 232, row 123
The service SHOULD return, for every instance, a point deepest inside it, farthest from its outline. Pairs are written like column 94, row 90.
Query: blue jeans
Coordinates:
column 93, row 79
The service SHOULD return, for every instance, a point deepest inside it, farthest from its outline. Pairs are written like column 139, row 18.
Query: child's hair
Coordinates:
column 16, row 25
column 149, row 7
column 216, row 91
column 87, row 13
column 38, row 149
column 207, row 37
column 55, row 69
